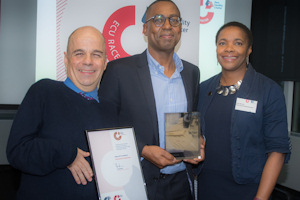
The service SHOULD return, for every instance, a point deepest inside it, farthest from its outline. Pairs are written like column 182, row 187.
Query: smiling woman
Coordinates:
column 234, row 46
column 232, row 53
column 250, row 140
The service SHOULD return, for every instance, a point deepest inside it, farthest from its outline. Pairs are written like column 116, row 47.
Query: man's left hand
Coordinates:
column 196, row 161
column 80, row 168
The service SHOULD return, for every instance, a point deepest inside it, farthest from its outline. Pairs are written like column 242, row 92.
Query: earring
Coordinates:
column 247, row 60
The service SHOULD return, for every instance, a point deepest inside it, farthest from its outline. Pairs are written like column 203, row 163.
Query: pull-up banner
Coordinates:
column 120, row 21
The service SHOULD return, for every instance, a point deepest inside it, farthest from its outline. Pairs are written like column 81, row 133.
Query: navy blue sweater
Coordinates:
column 48, row 128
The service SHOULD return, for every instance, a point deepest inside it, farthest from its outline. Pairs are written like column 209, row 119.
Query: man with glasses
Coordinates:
column 145, row 87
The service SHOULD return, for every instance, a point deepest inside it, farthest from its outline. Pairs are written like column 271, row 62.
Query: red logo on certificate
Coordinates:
column 117, row 135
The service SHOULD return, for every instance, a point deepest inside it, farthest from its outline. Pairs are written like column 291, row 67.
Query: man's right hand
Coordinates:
column 158, row 156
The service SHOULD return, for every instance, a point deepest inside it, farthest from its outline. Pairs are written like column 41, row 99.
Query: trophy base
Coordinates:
column 185, row 155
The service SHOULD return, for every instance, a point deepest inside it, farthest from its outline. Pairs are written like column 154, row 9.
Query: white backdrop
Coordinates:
column 212, row 16
column 28, row 50
column 120, row 22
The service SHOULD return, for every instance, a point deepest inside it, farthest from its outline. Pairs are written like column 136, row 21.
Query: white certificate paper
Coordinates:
column 116, row 164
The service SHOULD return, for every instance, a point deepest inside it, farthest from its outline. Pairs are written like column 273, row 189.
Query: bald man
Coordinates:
column 47, row 140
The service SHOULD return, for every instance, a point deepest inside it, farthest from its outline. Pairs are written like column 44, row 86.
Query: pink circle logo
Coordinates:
column 117, row 136
column 206, row 19
column 117, row 197
column 113, row 29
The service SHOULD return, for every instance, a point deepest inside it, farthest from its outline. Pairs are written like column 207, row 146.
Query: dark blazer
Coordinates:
column 127, row 83
column 252, row 134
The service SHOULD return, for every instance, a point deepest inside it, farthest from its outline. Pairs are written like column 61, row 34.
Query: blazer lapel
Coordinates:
column 187, row 87
column 146, row 83
column 211, row 92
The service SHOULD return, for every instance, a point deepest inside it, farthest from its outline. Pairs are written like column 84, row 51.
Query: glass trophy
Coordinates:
column 182, row 134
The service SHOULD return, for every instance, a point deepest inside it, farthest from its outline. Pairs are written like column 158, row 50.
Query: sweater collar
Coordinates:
column 88, row 95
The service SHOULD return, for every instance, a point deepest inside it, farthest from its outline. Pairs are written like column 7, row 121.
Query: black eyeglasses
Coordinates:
column 159, row 20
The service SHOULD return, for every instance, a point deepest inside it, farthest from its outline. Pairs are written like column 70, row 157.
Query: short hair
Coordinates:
column 157, row 1
column 239, row 25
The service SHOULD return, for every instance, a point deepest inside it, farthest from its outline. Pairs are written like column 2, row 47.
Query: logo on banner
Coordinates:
column 117, row 197
column 107, row 198
column 113, row 29
column 210, row 14
column 117, row 136
column 209, row 9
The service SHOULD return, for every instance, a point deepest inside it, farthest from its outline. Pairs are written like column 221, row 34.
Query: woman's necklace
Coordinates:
column 225, row 90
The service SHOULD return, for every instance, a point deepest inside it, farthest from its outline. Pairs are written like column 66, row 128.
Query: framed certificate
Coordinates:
column 182, row 134
column 116, row 164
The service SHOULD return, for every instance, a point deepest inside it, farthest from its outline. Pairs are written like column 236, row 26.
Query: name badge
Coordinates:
column 246, row 105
